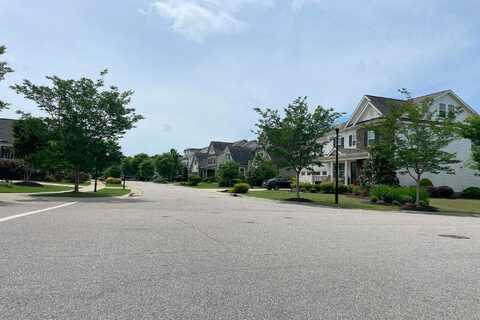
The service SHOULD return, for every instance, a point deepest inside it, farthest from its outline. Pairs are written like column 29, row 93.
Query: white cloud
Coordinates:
column 197, row 20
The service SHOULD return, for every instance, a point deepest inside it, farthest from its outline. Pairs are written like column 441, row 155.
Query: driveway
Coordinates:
column 181, row 253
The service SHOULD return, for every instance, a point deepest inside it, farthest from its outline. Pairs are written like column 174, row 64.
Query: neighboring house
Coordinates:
column 205, row 162
column 6, row 139
column 354, row 140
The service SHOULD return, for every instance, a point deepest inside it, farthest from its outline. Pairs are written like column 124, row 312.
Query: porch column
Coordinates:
column 346, row 173
column 332, row 171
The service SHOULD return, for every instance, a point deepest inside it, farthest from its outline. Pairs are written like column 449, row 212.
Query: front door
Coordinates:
column 353, row 172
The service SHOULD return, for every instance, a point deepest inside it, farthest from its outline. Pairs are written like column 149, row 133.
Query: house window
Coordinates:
column 442, row 110
column 303, row 173
column 451, row 109
column 228, row 157
column 6, row 153
column 352, row 140
column 211, row 161
column 370, row 137
column 324, row 173
column 342, row 142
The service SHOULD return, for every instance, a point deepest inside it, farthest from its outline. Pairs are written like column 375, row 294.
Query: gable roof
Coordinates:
column 385, row 105
column 6, row 130
column 219, row 146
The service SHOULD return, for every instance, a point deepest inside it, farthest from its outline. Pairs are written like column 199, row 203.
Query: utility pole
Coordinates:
column 336, row 166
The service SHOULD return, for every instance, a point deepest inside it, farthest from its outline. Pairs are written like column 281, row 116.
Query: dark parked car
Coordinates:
column 277, row 183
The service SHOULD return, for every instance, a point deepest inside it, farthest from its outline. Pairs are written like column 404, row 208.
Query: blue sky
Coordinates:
column 199, row 67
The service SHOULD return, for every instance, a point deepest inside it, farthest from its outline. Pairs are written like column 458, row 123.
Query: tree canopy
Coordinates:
column 83, row 116
column 293, row 140
column 4, row 69
column 471, row 130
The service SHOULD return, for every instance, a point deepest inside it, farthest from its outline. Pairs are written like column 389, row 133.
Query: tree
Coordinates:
column 106, row 153
column 127, row 167
column 294, row 139
column 380, row 167
column 260, row 170
column 421, row 138
column 136, row 161
column 4, row 69
column 146, row 170
column 169, row 165
column 30, row 140
column 114, row 171
column 82, row 115
column 471, row 130
column 227, row 173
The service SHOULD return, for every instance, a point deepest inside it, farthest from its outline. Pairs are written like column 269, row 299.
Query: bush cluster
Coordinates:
column 471, row 193
column 325, row 187
column 159, row 179
column 112, row 180
column 426, row 183
column 400, row 195
column 241, row 188
column 193, row 181
column 440, row 192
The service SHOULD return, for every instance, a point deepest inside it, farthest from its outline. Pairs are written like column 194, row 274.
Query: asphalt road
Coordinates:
column 179, row 253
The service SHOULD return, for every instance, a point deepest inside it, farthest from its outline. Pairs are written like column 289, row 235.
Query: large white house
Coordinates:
column 354, row 140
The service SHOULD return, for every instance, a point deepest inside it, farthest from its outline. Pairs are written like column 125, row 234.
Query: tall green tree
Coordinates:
column 169, row 165
column 260, row 170
column 227, row 173
column 83, row 115
column 422, row 135
column 31, row 138
column 294, row 139
column 471, row 130
column 380, row 167
column 137, row 161
column 4, row 69
column 146, row 170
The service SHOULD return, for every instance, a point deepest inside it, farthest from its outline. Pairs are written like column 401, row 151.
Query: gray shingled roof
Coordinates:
column 6, row 130
column 219, row 146
column 241, row 154
column 385, row 105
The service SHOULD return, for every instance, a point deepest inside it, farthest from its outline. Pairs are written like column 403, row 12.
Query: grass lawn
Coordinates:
column 102, row 193
column 457, row 205
column 461, row 207
column 4, row 188
column 347, row 202
column 110, row 185
column 207, row 185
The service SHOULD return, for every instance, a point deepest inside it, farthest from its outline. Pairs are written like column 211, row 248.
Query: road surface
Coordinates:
column 180, row 253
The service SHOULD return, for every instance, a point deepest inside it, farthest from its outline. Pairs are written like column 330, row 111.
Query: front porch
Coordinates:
column 349, row 170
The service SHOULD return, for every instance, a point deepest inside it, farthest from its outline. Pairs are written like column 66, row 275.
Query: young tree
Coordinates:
column 260, row 170
column 294, row 139
column 30, row 141
column 422, row 136
column 381, row 168
column 472, row 131
column 227, row 172
column 169, row 165
column 4, row 69
column 83, row 116
column 146, row 170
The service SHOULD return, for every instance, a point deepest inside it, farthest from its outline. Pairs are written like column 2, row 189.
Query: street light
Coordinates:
column 336, row 165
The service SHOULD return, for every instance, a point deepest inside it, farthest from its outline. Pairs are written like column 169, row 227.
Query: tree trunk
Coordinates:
column 298, row 185
column 77, row 180
column 96, row 178
column 417, row 200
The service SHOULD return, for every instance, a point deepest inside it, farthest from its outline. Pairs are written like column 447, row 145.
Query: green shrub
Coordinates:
column 305, row 186
column 471, row 193
column 374, row 199
column 193, row 181
column 111, row 180
column 426, row 183
column 160, row 179
column 440, row 192
column 241, row 188
column 399, row 194
column 326, row 187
